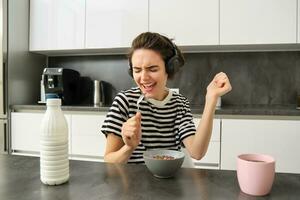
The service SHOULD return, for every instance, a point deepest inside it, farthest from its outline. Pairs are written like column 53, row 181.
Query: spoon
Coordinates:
column 139, row 101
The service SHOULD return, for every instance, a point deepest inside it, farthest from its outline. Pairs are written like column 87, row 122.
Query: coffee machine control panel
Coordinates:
column 62, row 83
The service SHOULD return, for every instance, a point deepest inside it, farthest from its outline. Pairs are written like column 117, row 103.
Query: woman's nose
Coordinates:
column 144, row 75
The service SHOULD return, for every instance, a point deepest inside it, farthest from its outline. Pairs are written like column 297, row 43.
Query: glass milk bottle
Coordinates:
column 54, row 161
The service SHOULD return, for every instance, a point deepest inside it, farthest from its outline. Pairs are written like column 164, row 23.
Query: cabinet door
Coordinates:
column 212, row 158
column 298, row 20
column 57, row 24
column 258, row 22
column 114, row 23
column 190, row 22
column 215, row 136
column 278, row 138
column 87, row 140
column 25, row 132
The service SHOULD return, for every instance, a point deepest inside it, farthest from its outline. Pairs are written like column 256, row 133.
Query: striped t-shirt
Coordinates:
column 164, row 123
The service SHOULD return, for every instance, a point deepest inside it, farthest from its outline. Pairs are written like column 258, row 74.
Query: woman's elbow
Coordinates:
column 105, row 158
column 198, row 155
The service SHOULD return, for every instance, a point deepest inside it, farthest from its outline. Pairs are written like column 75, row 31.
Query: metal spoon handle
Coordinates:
column 139, row 101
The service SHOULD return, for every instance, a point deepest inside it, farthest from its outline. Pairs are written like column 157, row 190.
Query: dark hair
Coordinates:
column 169, row 52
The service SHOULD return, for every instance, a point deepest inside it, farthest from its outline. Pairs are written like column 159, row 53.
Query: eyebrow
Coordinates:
column 150, row 67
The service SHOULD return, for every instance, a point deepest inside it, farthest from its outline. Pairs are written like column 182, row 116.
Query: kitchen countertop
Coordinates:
column 20, row 179
column 225, row 110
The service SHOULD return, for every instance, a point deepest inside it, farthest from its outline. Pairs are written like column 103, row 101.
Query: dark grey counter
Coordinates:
column 225, row 110
column 20, row 179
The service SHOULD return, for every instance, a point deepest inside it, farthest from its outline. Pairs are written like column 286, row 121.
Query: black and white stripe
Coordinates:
column 163, row 127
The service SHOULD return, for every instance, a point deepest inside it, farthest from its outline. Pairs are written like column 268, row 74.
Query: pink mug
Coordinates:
column 255, row 173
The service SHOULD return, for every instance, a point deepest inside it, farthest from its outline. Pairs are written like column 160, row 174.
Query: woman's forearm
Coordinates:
column 120, row 156
column 204, row 130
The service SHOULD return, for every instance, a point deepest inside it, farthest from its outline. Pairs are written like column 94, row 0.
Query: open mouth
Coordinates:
column 148, row 87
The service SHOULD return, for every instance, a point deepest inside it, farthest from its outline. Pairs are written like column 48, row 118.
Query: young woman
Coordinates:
column 151, row 116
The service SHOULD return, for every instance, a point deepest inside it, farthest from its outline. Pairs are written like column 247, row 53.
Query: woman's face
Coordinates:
column 149, row 73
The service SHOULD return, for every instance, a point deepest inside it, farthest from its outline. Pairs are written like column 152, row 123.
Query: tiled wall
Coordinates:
column 258, row 78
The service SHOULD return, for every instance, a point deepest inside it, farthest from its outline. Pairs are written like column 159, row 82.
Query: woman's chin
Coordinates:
column 150, row 95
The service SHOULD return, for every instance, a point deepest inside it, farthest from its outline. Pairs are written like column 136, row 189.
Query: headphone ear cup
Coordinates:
column 174, row 64
column 169, row 66
column 130, row 72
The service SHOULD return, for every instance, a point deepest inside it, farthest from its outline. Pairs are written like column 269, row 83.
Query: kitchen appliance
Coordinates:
column 219, row 103
column 62, row 83
column 4, row 140
column 42, row 91
column 96, row 99
column 98, row 93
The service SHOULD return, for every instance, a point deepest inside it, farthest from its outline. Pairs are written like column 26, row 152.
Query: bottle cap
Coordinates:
column 53, row 102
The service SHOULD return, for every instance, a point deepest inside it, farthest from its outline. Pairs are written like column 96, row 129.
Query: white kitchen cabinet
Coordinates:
column 57, row 24
column 212, row 158
column 114, row 23
column 86, row 142
column 190, row 22
column 109, row 26
column 298, row 20
column 87, row 139
column 258, row 22
column 278, row 138
column 25, row 132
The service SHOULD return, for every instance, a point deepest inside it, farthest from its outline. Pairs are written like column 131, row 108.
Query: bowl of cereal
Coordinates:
column 163, row 163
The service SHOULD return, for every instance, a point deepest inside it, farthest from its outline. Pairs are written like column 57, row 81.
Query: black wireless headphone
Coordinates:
column 172, row 64
column 175, row 62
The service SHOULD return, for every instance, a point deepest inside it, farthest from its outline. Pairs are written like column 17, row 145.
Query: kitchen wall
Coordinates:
column 258, row 78
column 24, row 69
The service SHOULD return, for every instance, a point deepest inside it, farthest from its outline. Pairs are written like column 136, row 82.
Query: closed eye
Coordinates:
column 137, row 69
column 153, row 68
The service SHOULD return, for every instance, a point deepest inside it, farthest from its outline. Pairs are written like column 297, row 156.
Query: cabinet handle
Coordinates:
column 5, row 138
column 87, row 157
column 3, row 90
column 206, row 164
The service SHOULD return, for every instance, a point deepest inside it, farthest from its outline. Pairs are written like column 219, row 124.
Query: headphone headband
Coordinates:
column 172, row 64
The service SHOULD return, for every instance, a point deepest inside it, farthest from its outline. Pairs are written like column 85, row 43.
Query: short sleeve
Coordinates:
column 117, row 115
column 187, row 125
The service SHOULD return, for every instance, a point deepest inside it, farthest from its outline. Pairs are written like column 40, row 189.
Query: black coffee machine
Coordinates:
column 62, row 83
